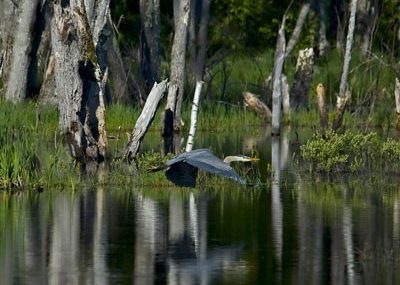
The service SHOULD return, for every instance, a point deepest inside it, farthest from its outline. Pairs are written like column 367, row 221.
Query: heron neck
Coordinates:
column 229, row 159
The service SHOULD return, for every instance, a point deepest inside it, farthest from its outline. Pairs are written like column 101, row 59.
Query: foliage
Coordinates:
column 341, row 152
column 391, row 152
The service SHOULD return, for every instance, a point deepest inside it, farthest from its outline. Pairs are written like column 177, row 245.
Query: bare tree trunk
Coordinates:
column 277, row 90
column 294, row 38
column 172, row 118
column 193, row 116
column 323, row 43
column 16, row 85
column 150, row 41
column 302, row 78
column 8, row 22
column 144, row 121
column 80, row 76
column 367, row 11
column 285, row 96
column 344, row 95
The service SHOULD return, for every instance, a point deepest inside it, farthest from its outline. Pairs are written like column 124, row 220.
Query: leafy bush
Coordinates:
column 341, row 152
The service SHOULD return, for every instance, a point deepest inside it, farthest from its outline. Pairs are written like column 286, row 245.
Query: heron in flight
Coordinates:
column 182, row 170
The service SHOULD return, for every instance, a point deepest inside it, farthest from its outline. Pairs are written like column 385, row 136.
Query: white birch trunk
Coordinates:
column 344, row 95
column 277, row 90
column 193, row 116
column 349, row 43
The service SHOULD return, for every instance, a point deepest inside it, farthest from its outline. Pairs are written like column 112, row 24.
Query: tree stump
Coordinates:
column 302, row 78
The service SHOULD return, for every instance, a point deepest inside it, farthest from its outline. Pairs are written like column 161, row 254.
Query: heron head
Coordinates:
column 240, row 158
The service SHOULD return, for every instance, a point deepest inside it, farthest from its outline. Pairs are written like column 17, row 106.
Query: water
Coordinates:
column 288, row 231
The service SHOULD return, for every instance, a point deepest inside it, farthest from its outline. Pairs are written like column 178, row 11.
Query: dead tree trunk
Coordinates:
column 8, row 23
column 323, row 43
column 367, row 12
column 16, row 85
column 172, row 117
column 277, row 86
column 144, row 121
column 80, row 75
column 285, row 96
column 150, row 41
column 303, row 78
column 344, row 95
column 202, row 40
column 294, row 38
column 323, row 116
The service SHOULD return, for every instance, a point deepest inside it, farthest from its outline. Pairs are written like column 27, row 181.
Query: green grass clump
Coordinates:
column 18, row 159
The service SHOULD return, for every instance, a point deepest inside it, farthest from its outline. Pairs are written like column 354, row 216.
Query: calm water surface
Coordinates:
column 289, row 230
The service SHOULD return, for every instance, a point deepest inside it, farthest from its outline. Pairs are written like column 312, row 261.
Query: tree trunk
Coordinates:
column 193, row 116
column 80, row 76
column 172, row 118
column 323, row 43
column 285, row 96
column 202, row 40
column 16, row 85
column 344, row 95
column 277, row 90
column 302, row 78
column 294, row 38
column 8, row 22
column 367, row 12
column 150, row 41
column 144, row 121
column 40, row 76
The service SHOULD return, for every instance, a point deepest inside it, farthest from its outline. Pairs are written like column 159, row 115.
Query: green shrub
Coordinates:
column 341, row 152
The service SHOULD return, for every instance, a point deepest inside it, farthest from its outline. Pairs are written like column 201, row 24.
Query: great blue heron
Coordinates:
column 182, row 169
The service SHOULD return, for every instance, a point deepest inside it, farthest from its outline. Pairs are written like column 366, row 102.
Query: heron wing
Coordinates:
column 205, row 160
column 182, row 174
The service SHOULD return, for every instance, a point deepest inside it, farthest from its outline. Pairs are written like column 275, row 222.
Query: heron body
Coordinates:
column 182, row 170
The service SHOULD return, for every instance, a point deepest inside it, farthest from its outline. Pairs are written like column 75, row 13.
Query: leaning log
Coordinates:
column 253, row 102
column 144, row 121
